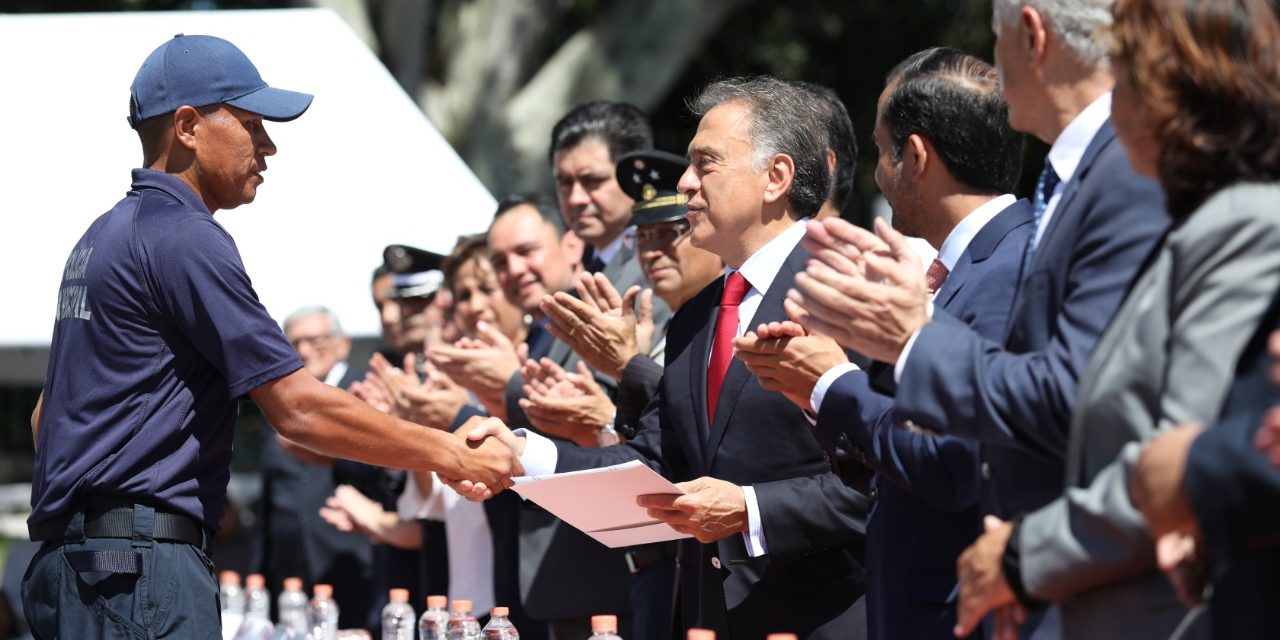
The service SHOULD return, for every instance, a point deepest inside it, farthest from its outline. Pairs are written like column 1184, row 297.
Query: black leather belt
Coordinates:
column 118, row 523
column 640, row 558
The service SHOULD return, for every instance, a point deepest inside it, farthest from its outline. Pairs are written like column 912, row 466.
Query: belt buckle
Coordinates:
column 631, row 562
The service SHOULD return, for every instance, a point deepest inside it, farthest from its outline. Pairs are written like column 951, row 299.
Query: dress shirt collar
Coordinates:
column 964, row 233
column 335, row 374
column 1069, row 148
column 764, row 264
column 610, row 250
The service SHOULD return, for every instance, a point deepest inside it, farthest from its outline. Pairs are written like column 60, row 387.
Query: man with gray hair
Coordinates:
column 1096, row 220
column 777, row 535
column 293, row 540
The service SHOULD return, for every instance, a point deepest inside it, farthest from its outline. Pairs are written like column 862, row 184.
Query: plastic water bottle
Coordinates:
column 232, row 598
column 291, row 606
column 463, row 625
column 323, row 613
column 434, row 623
column 700, row 634
column 397, row 617
column 258, row 601
column 781, row 636
column 604, row 628
column 499, row 627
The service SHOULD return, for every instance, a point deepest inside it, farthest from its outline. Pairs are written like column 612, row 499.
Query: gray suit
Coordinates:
column 1166, row 358
column 564, row 574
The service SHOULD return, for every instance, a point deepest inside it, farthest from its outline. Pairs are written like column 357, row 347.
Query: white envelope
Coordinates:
column 602, row 502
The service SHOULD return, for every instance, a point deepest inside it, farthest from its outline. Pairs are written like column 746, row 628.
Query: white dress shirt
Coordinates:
column 608, row 252
column 1068, row 150
column 468, row 540
column 336, row 373
column 760, row 269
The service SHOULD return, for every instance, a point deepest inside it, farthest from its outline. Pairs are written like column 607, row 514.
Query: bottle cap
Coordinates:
column 293, row 584
column 255, row 581
column 437, row 602
column 229, row 577
column 604, row 624
column 701, row 634
column 499, row 611
column 462, row 606
column 781, row 636
column 323, row 590
column 399, row 595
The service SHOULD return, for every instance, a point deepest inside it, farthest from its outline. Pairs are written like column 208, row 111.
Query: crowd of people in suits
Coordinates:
column 1054, row 420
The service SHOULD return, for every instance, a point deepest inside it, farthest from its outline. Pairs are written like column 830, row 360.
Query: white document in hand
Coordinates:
column 602, row 502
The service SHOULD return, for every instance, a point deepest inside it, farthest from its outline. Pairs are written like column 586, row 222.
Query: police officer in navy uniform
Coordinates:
column 158, row 332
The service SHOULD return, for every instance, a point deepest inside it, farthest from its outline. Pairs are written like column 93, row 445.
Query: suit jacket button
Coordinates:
column 715, row 562
column 843, row 441
column 875, row 494
column 986, row 471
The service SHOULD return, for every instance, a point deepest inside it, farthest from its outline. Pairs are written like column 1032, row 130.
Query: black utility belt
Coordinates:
column 117, row 522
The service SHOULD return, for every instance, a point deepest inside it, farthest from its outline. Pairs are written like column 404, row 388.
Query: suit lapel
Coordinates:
column 737, row 377
column 984, row 243
column 699, row 354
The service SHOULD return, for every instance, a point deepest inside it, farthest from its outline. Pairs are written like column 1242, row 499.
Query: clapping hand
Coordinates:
column 788, row 359
column 602, row 327
column 563, row 404
column 483, row 364
column 867, row 291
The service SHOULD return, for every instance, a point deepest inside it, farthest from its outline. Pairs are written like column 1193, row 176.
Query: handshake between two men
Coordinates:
column 786, row 357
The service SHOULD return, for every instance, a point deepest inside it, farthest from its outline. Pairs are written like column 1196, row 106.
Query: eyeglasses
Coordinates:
column 661, row 235
column 314, row 342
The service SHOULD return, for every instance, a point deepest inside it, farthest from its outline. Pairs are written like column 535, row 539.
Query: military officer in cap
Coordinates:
column 418, row 289
column 676, row 271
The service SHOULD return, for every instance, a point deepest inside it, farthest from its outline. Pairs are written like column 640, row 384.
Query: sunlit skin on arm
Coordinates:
column 335, row 423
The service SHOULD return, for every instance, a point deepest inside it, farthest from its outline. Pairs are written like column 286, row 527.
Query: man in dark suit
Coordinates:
column 777, row 535
column 947, row 159
column 1096, row 221
column 1209, row 496
column 294, row 541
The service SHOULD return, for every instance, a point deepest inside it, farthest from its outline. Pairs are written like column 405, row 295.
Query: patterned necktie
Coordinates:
column 936, row 275
column 726, row 330
column 1044, row 192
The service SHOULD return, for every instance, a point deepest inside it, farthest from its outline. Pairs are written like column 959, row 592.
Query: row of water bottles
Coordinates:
column 437, row 623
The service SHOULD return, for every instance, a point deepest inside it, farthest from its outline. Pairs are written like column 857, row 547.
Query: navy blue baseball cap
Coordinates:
column 204, row 70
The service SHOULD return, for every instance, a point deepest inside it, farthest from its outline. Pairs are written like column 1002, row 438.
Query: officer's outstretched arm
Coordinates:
column 336, row 423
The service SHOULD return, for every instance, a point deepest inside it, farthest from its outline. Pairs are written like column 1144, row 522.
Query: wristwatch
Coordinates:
column 608, row 435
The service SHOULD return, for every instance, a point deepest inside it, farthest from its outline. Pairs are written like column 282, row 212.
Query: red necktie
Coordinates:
column 726, row 330
column 936, row 275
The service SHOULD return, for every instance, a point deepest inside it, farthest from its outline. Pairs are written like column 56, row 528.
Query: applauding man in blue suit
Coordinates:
column 947, row 160
column 1096, row 221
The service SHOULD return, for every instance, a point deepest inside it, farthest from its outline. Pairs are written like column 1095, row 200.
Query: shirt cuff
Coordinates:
column 754, row 537
column 540, row 454
column 829, row 378
column 906, row 349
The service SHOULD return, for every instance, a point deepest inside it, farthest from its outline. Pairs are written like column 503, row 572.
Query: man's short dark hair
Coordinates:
column 785, row 119
column 840, row 139
column 953, row 100
column 622, row 127
column 546, row 207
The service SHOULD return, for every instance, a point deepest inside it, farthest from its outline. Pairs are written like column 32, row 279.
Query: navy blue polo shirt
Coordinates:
column 158, row 331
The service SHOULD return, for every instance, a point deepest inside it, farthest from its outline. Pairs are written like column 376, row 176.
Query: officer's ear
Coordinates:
column 185, row 120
